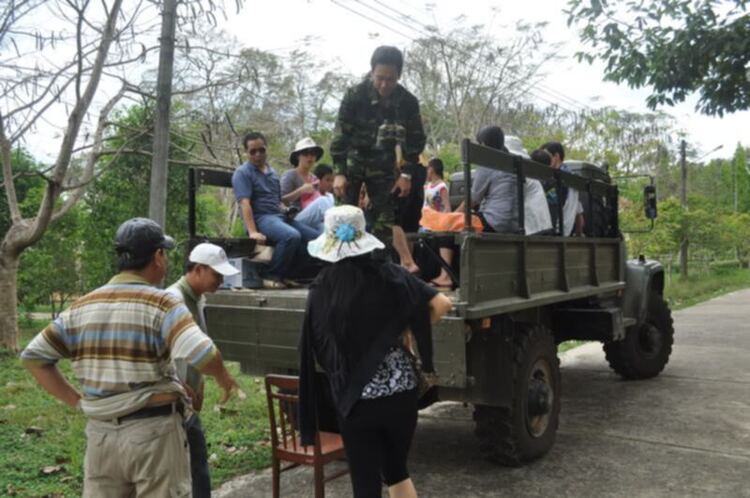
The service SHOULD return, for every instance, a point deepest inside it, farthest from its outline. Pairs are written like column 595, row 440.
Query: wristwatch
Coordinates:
column 406, row 175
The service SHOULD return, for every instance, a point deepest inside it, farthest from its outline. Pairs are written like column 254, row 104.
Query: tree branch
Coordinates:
column 88, row 172
column 10, row 188
column 46, row 207
column 146, row 153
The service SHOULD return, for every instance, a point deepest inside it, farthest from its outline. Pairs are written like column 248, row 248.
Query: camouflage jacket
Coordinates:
column 360, row 115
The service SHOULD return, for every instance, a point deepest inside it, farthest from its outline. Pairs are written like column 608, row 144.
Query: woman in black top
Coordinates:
column 357, row 311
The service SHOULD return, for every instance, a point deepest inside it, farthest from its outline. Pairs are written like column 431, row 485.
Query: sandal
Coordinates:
column 440, row 287
column 292, row 284
column 273, row 284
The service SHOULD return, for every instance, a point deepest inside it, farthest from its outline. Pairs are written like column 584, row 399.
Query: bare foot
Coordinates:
column 411, row 268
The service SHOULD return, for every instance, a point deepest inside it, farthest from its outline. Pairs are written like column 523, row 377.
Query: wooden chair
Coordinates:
column 283, row 402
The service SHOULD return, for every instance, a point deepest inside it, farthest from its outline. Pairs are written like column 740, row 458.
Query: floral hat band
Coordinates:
column 344, row 236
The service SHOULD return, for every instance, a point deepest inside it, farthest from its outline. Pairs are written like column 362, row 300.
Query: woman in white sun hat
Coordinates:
column 357, row 311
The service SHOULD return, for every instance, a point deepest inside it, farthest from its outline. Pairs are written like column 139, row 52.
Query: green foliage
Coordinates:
column 450, row 154
column 49, row 271
column 629, row 142
column 736, row 235
column 674, row 47
column 122, row 192
column 725, row 267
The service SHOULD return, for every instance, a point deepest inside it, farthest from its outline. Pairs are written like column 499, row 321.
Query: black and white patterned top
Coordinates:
column 394, row 375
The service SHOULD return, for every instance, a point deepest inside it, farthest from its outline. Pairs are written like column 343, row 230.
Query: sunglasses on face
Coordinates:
column 307, row 152
column 259, row 150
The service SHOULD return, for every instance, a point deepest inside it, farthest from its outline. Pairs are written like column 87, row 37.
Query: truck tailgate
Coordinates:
column 260, row 329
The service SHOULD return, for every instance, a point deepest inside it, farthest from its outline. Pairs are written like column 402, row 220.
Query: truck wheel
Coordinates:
column 646, row 348
column 526, row 430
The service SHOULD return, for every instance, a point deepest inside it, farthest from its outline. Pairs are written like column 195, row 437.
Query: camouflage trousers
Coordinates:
column 379, row 182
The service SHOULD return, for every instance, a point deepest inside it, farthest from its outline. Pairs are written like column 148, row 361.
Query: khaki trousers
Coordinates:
column 139, row 458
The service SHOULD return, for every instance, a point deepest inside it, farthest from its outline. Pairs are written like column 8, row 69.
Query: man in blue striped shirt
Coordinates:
column 122, row 339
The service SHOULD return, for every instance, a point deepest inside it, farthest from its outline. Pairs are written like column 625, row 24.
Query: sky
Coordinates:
column 334, row 32
column 345, row 32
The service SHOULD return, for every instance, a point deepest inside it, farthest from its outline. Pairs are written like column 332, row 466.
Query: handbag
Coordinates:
column 425, row 380
column 263, row 254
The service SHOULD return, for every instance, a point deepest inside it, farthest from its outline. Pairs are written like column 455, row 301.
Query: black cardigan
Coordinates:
column 405, row 304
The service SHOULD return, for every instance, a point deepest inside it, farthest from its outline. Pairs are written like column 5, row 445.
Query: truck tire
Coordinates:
column 526, row 430
column 646, row 348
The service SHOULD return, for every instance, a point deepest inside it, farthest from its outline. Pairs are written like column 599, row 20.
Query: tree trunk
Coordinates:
column 157, row 205
column 8, row 308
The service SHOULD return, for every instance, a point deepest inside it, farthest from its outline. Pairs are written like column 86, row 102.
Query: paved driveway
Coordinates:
column 684, row 433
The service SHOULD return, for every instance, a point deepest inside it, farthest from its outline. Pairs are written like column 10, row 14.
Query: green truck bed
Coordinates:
column 499, row 274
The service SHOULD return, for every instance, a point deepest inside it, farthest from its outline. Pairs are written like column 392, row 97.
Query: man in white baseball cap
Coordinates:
column 206, row 268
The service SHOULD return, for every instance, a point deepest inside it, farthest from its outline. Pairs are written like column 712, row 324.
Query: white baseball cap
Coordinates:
column 213, row 256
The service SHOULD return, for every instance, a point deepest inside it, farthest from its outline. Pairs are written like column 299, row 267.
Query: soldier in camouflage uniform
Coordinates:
column 375, row 117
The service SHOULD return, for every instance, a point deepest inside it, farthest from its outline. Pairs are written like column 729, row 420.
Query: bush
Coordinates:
column 724, row 266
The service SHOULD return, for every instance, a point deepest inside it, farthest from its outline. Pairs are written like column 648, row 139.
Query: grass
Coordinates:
column 568, row 345
column 698, row 288
column 237, row 437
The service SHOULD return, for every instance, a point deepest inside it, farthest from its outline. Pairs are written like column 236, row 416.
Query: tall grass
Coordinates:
column 683, row 293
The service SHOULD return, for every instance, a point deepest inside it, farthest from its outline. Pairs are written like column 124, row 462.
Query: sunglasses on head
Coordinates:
column 259, row 150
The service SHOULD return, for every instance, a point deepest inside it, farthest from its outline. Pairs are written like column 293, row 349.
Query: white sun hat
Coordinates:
column 213, row 256
column 344, row 236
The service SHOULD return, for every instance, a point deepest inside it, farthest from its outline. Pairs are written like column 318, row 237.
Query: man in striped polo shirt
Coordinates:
column 122, row 339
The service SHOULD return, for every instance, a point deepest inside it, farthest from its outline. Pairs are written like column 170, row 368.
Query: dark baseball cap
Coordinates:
column 141, row 236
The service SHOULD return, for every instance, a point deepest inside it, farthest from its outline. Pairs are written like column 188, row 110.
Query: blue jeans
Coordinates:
column 198, row 457
column 314, row 214
column 290, row 243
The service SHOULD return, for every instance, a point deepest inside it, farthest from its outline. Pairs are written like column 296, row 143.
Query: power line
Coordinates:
column 547, row 90
column 408, row 26
column 405, row 16
column 529, row 90
column 371, row 19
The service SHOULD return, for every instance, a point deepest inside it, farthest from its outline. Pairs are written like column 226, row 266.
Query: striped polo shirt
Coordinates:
column 122, row 337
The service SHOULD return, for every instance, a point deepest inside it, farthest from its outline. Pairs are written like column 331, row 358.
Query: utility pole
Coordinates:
column 157, row 204
column 683, row 203
column 734, row 183
column 734, row 186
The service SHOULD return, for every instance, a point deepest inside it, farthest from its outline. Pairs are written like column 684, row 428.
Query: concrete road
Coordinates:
column 684, row 433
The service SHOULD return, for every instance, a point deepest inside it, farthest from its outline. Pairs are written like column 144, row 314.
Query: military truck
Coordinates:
column 517, row 298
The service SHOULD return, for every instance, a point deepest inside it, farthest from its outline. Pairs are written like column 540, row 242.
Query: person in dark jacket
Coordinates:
column 357, row 312
column 377, row 142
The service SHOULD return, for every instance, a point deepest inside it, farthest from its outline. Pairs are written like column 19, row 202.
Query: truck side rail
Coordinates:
column 480, row 155
column 502, row 273
column 234, row 247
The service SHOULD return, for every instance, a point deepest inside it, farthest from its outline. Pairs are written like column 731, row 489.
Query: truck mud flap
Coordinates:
column 449, row 352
